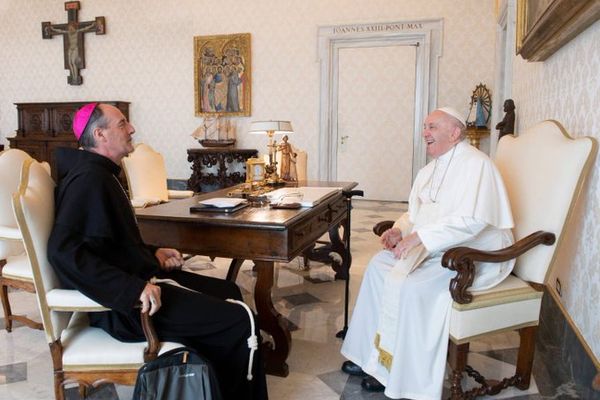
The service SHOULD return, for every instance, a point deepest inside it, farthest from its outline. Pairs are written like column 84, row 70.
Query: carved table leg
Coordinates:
column 336, row 245
column 341, row 247
column 234, row 269
column 271, row 321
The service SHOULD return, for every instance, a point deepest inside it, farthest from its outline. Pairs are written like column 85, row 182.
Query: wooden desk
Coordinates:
column 259, row 234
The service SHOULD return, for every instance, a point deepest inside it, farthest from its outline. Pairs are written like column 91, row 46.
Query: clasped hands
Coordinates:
column 393, row 241
column 169, row 260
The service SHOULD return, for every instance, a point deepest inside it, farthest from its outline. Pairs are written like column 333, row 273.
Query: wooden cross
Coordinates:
column 72, row 33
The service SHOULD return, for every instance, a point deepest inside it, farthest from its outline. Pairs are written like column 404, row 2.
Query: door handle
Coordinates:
column 343, row 138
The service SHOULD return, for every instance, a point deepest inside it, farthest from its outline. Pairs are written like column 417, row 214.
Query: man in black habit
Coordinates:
column 96, row 247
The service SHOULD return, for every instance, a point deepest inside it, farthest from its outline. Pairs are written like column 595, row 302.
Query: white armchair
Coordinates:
column 543, row 170
column 15, row 271
column 147, row 177
column 80, row 354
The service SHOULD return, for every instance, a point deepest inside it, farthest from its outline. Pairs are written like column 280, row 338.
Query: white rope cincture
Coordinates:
column 252, row 339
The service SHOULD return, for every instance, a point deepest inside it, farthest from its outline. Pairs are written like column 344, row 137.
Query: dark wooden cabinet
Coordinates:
column 217, row 168
column 42, row 127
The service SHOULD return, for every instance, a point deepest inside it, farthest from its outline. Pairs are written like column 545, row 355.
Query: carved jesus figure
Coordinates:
column 72, row 38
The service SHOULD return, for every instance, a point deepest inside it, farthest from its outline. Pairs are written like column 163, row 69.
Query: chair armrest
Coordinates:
column 73, row 301
column 151, row 351
column 382, row 226
column 461, row 260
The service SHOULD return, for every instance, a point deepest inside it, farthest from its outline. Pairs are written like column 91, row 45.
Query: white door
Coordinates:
column 375, row 119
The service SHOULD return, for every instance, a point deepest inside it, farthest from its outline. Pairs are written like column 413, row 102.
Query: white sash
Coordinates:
column 385, row 339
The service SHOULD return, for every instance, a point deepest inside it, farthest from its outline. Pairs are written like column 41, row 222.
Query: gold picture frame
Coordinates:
column 255, row 170
column 222, row 75
column 544, row 26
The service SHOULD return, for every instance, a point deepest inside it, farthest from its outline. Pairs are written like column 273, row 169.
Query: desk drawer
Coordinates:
column 309, row 231
column 338, row 209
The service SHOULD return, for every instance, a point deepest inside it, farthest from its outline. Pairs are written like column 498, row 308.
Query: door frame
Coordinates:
column 425, row 34
column 505, row 51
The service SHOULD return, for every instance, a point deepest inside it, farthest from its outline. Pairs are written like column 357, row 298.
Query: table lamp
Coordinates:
column 271, row 128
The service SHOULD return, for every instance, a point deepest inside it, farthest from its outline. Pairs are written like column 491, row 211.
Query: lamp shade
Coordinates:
column 276, row 127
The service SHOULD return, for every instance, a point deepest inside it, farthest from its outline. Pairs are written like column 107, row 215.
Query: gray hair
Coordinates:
column 458, row 124
column 97, row 120
column 463, row 130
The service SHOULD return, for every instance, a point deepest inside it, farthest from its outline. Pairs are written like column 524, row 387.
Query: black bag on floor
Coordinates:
column 178, row 374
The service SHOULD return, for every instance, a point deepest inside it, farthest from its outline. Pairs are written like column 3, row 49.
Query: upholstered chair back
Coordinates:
column 146, row 174
column 11, row 161
column 543, row 170
column 34, row 210
column 81, row 354
column 301, row 164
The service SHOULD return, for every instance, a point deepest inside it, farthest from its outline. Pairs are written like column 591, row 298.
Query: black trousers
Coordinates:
column 213, row 327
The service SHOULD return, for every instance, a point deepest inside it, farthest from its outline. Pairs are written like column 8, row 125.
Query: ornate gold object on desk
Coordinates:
column 255, row 170
column 271, row 128
column 288, row 169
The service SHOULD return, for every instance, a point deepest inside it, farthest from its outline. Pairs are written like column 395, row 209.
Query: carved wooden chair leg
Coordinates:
column 525, row 357
column 458, row 361
column 59, row 389
column 6, row 308
column 82, row 391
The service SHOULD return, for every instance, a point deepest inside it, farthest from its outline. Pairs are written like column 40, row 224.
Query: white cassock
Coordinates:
column 464, row 203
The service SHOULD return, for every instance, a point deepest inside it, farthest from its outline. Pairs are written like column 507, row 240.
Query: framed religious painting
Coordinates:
column 544, row 26
column 222, row 75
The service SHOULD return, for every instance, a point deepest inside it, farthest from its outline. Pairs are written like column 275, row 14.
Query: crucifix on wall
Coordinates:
column 72, row 33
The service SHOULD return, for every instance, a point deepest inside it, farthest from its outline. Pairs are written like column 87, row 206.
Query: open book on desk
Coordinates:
column 307, row 196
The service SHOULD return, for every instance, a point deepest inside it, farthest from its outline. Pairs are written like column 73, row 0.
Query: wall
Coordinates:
column 566, row 88
column 146, row 58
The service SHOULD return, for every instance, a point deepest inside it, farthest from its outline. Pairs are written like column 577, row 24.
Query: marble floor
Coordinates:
column 313, row 302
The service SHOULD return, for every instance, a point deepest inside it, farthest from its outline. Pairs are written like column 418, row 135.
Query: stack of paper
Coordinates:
column 222, row 202
column 307, row 196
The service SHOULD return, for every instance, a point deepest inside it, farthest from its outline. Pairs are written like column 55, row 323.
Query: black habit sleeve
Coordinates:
column 95, row 245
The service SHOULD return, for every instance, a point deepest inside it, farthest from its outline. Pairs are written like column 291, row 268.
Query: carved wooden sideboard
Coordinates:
column 42, row 127
column 217, row 168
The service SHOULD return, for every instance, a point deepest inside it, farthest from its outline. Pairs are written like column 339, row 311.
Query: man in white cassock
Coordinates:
column 398, row 335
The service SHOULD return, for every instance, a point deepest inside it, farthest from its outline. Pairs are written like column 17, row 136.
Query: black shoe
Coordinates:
column 352, row 369
column 371, row 384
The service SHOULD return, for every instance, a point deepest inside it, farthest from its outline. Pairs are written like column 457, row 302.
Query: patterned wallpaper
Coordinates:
column 566, row 88
column 147, row 52
column 146, row 58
